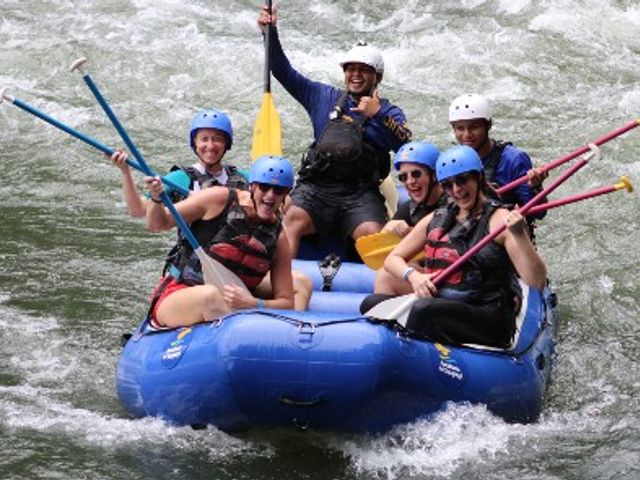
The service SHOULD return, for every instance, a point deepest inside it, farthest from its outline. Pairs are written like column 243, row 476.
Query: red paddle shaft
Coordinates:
column 551, row 165
column 455, row 266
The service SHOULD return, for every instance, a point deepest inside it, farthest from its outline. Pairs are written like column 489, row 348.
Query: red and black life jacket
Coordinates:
column 244, row 248
column 485, row 276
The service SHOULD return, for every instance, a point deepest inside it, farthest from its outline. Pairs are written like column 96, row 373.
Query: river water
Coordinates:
column 75, row 269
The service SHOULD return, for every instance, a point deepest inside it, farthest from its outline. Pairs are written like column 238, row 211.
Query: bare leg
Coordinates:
column 387, row 283
column 297, row 223
column 192, row 305
column 366, row 228
column 302, row 289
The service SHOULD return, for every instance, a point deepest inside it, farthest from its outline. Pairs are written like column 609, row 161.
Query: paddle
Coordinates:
column 79, row 135
column 214, row 272
column 374, row 248
column 570, row 156
column 267, row 137
column 398, row 308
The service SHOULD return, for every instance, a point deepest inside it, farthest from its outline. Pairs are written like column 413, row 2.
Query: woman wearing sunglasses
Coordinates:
column 415, row 163
column 240, row 229
column 478, row 303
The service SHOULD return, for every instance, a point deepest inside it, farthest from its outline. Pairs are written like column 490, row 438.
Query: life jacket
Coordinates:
column 417, row 211
column 341, row 155
column 486, row 276
column 490, row 163
column 205, row 180
column 243, row 248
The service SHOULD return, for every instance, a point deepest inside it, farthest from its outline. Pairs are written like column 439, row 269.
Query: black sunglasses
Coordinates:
column 278, row 190
column 404, row 176
column 459, row 180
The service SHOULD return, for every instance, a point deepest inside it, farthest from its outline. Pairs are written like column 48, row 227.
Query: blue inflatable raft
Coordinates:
column 330, row 368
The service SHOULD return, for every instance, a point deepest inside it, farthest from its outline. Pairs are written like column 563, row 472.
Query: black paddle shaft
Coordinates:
column 267, row 52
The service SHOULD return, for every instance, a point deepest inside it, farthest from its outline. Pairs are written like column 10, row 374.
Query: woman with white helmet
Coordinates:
column 478, row 303
column 240, row 229
column 470, row 117
column 354, row 131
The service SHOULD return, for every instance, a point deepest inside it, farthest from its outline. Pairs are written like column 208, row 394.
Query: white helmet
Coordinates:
column 468, row 107
column 362, row 52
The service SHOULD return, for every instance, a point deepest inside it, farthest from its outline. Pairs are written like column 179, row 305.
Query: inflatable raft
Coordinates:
column 329, row 367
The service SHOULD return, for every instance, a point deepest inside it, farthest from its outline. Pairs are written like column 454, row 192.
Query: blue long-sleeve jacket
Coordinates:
column 387, row 130
column 515, row 163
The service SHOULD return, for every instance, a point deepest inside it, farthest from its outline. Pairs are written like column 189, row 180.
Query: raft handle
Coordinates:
column 292, row 402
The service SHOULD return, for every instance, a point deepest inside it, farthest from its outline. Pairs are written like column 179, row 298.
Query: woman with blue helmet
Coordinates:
column 210, row 136
column 478, row 303
column 415, row 163
column 240, row 229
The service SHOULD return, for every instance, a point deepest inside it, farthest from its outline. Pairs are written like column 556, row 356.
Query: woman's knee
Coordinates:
column 213, row 302
column 302, row 283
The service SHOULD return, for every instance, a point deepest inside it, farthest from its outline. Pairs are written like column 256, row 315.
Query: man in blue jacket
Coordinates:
column 471, row 119
column 354, row 131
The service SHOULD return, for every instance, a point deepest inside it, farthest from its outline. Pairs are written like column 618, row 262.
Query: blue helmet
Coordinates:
column 458, row 160
column 422, row 153
column 272, row 170
column 211, row 119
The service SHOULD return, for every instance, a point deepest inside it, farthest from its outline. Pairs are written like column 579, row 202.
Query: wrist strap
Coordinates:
column 155, row 200
column 260, row 303
column 407, row 272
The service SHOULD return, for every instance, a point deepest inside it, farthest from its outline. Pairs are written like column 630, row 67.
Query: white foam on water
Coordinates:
column 33, row 409
column 514, row 7
column 464, row 441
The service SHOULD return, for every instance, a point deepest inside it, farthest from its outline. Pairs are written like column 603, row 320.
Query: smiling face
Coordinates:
column 464, row 189
column 267, row 199
column 473, row 133
column 417, row 180
column 210, row 146
column 359, row 78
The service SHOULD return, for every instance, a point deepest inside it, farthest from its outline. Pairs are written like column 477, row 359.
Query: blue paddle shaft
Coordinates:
column 87, row 139
column 143, row 164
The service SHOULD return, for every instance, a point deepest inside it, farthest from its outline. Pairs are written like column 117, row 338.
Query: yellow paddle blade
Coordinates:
column 267, row 136
column 373, row 249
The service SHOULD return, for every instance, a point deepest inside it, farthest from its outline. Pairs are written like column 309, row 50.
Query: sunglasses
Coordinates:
column 459, row 180
column 404, row 176
column 278, row 190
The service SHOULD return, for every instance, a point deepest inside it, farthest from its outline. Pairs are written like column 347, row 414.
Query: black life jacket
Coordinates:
column 490, row 163
column 341, row 155
column 245, row 249
column 483, row 278
column 205, row 180
column 417, row 211
column 234, row 180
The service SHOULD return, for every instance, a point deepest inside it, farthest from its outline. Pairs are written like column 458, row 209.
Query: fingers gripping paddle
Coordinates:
column 214, row 272
column 398, row 308
column 79, row 135
column 267, row 135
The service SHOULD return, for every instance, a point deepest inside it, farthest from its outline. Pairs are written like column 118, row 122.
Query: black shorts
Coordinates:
column 339, row 208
